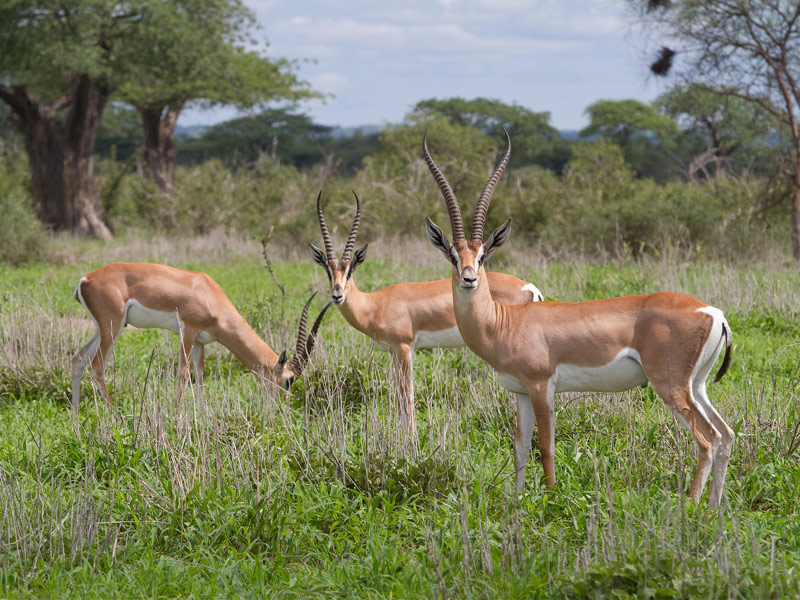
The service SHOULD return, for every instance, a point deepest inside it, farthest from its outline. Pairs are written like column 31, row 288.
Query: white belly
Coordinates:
column 444, row 338
column 147, row 318
column 512, row 384
column 622, row 373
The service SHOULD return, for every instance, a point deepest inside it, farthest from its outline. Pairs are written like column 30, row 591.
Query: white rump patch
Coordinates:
column 622, row 373
column 537, row 295
column 714, row 345
column 444, row 338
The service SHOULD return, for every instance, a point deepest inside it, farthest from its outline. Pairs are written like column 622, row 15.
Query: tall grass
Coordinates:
column 246, row 492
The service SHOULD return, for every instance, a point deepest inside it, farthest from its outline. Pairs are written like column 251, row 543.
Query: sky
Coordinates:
column 378, row 58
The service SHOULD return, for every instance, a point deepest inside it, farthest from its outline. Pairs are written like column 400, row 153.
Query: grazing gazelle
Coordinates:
column 539, row 350
column 404, row 316
column 148, row 295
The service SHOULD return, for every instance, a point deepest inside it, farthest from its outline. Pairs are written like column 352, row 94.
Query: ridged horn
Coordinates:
column 305, row 344
column 351, row 239
column 326, row 236
column 456, row 223
column 486, row 195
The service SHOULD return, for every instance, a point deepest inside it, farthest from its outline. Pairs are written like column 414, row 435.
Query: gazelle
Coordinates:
column 538, row 350
column 404, row 316
column 148, row 295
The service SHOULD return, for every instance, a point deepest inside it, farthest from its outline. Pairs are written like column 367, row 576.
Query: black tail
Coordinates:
column 726, row 362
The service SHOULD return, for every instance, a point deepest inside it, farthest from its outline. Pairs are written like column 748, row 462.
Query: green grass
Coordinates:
column 249, row 495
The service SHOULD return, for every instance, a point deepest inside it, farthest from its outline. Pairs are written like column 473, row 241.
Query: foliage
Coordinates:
column 23, row 237
column 285, row 135
column 623, row 120
column 745, row 50
column 727, row 124
column 535, row 140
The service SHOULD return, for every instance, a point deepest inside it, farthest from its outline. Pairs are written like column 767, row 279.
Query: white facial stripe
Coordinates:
column 454, row 254
column 347, row 273
column 479, row 256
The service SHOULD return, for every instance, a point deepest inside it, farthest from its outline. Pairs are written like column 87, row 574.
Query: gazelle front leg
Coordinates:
column 188, row 337
column 402, row 359
column 522, row 438
column 537, row 407
column 199, row 362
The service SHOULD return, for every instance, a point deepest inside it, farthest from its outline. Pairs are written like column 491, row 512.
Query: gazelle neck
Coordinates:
column 358, row 309
column 248, row 347
column 477, row 315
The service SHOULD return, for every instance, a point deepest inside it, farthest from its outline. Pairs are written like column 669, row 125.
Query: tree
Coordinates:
column 644, row 135
column 724, row 123
column 59, row 61
column 621, row 120
column 196, row 56
column 535, row 140
column 741, row 49
column 288, row 135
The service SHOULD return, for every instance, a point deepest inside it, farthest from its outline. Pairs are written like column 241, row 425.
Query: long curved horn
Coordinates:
column 301, row 333
column 456, row 223
column 351, row 239
column 486, row 195
column 326, row 236
column 301, row 355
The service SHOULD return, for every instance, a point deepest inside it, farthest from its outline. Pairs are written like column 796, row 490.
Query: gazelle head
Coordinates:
column 339, row 271
column 467, row 257
column 287, row 372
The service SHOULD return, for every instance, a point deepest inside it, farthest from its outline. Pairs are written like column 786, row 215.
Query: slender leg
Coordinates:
column 693, row 418
column 522, row 438
column 198, row 360
column 404, row 375
column 108, row 337
column 543, row 400
column 723, row 451
column 188, row 337
column 80, row 360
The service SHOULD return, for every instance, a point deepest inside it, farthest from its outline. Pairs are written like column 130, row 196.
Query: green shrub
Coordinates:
column 24, row 238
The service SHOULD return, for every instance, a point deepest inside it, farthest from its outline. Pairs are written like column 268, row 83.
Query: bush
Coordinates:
column 24, row 238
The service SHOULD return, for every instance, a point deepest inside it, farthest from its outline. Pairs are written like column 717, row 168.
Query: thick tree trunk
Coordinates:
column 158, row 148
column 60, row 152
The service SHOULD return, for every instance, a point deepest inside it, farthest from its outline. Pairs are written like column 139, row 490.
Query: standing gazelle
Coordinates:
column 611, row 345
column 148, row 295
column 404, row 316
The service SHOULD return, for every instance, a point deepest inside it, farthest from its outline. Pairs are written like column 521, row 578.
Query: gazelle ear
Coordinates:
column 281, row 362
column 438, row 238
column 318, row 256
column 498, row 238
column 359, row 257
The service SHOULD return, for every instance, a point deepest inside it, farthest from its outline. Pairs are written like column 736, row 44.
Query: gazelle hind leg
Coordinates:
column 707, row 439
column 723, row 451
column 107, row 340
column 712, row 349
column 80, row 361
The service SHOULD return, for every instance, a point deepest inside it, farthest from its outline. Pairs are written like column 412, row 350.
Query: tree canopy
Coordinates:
column 535, row 140
column 621, row 120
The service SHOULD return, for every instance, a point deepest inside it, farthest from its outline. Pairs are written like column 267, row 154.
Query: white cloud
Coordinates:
column 380, row 58
column 329, row 82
